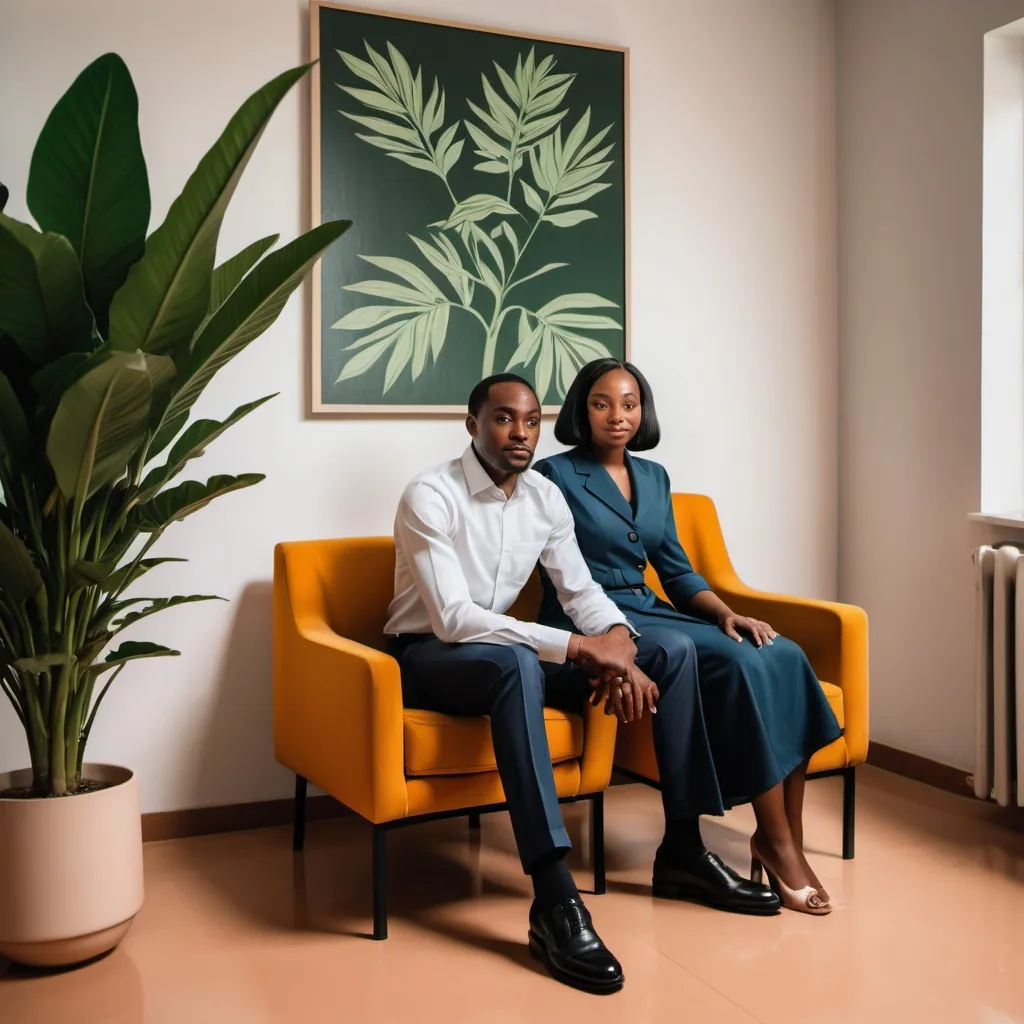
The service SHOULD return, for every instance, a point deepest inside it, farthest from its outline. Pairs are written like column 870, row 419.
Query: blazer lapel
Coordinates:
column 644, row 495
column 598, row 483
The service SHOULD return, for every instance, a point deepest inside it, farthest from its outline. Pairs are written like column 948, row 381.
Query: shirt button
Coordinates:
column 641, row 566
column 634, row 537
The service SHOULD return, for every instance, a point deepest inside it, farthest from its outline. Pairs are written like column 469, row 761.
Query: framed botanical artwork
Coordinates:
column 486, row 176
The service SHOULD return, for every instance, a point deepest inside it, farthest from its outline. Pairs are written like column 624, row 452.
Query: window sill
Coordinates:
column 1010, row 520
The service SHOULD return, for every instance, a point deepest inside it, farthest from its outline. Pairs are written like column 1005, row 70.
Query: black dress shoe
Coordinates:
column 706, row 878
column 562, row 937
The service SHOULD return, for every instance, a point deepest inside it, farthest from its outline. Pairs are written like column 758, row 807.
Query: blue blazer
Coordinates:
column 617, row 543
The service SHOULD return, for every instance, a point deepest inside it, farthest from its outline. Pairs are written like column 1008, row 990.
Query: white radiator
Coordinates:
column 999, row 674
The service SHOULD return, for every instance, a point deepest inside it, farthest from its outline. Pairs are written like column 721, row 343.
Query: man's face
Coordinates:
column 506, row 429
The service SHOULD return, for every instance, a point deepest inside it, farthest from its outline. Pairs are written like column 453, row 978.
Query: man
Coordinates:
column 468, row 535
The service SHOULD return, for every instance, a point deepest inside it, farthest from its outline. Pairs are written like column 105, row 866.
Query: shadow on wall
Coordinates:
column 236, row 757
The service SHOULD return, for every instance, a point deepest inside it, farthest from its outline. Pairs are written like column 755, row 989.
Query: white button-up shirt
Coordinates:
column 465, row 551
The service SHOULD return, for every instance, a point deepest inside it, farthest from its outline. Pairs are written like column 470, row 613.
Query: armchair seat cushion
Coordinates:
column 437, row 744
column 834, row 696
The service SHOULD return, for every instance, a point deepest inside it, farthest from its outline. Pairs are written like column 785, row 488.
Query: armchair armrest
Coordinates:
column 599, row 732
column 834, row 637
column 338, row 714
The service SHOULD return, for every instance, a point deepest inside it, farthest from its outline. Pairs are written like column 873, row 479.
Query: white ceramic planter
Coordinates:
column 70, row 869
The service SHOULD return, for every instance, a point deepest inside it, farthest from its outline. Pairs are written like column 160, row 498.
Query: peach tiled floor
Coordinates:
column 929, row 926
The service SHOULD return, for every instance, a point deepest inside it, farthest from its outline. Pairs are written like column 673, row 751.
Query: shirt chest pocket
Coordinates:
column 525, row 555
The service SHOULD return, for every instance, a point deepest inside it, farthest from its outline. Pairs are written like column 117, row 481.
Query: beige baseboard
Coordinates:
column 202, row 821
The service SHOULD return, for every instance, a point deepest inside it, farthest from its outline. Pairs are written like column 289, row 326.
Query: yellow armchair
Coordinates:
column 834, row 636
column 339, row 720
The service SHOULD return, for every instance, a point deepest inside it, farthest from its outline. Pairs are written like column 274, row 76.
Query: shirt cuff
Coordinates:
column 552, row 644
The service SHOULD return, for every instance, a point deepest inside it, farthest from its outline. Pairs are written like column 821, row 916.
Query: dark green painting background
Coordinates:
column 387, row 200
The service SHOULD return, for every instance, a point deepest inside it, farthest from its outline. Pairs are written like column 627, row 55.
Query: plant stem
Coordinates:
column 58, row 772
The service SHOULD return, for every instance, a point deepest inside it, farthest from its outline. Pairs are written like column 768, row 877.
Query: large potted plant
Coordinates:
column 107, row 339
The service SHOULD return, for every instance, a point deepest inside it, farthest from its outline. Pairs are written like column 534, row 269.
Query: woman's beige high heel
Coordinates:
column 806, row 900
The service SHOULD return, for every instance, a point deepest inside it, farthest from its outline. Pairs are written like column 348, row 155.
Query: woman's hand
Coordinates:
column 761, row 632
column 626, row 697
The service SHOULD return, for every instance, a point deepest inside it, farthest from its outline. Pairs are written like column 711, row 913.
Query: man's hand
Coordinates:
column 612, row 653
column 627, row 697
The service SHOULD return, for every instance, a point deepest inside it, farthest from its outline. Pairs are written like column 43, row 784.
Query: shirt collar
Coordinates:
column 478, row 481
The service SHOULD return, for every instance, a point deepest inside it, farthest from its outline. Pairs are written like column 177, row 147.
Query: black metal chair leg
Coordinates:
column 380, row 882
column 849, row 811
column 474, row 820
column 597, row 841
column 299, row 826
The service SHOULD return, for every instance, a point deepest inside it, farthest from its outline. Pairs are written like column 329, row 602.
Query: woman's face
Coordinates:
column 613, row 406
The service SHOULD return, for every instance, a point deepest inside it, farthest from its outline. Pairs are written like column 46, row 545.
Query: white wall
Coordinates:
column 733, row 314
column 910, row 120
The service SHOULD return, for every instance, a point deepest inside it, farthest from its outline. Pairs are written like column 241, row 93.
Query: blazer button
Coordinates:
column 641, row 566
column 634, row 537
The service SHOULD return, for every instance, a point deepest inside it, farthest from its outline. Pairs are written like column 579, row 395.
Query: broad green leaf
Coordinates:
column 120, row 578
column 87, row 574
column 533, row 200
column 100, row 423
column 191, row 445
column 42, row 298
column 420, row 346
column 160, row 604
column 546, row 154
column 364, row 317
column 44, row 662
column 362, row 69
column 20, row 580
column 584, row 321
column 491, row 167
column 580, row 195
column 167, row 293
column 575, row 300
column 88, row 180
column 176, row 504
column 248, row 311
column 52, row 380
column 407, row 272
column 376, row 100
column 15, row 439
column 466, row 285
column 132, row 650
column 228, row 274
column 477, row 208
column 388, row 128
column 550, row 99
column 570, row 218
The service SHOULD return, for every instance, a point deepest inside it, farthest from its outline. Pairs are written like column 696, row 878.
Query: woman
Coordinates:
column 764, row 711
